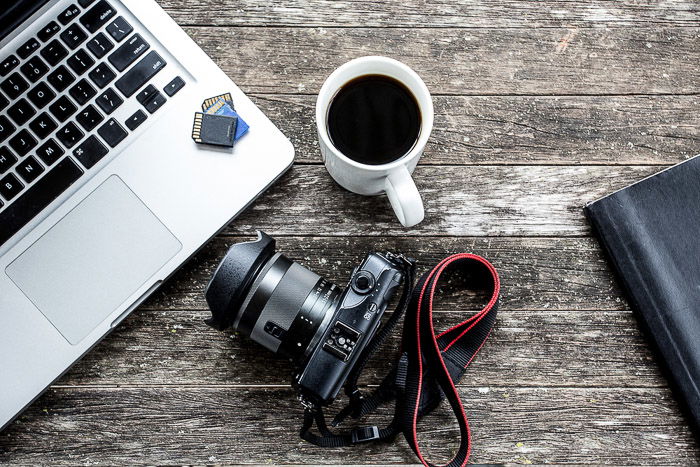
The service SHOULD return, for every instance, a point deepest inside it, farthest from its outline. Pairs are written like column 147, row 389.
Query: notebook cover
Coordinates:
column 651, row 233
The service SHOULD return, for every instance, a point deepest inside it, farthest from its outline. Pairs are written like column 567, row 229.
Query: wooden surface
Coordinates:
column 540, row 107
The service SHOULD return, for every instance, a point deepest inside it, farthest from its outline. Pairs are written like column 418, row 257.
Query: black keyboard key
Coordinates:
column 28, row 48
column 68, row 15
column 3, row 101
column 140, row 73
column 54, row 52
column 143, row 95
column 80, row 62
column 14, row 85
column 6, row 128
column 82, row 92
column 60, row 78
column 63, row 108
column 154, row 102
column 102, row 75
column 73, row 36
column 7, row 159
column 41, row 95
column 97, row 16
column 21, row 112
column 49, row 152
column 135, row 120
column 10, row 187
column 48, row 31
column 90, row 152
column 43, row 125
column 100, row 45
column 34, row 69
column 85, row 3
column 69, row 135
column 112, row 132
column 22, row 143
column 128, row 52
column 119, row 29
column 174, row 86
column 89, row 118
column 36, row 198
column 29, row 169
column 9, row 64
column 109, row 101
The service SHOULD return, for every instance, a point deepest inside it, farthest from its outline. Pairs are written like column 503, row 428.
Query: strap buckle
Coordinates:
column 364, row 434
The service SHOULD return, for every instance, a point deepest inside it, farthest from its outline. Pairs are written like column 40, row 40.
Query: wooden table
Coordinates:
column 540, row 107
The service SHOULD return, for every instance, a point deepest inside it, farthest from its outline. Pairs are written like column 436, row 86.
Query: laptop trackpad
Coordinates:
column 93, row 259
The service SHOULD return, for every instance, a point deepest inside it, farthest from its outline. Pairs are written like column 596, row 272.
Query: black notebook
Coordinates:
column 651, row 233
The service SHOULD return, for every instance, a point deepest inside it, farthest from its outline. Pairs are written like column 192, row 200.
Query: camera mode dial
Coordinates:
column 363, row 282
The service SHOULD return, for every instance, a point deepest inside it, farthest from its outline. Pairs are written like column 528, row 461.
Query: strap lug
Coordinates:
column 364, row 434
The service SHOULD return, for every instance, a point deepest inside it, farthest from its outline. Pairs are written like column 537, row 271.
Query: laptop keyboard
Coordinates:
column 55, row 90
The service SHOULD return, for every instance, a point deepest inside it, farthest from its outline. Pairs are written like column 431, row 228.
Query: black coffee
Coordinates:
column 374, row 119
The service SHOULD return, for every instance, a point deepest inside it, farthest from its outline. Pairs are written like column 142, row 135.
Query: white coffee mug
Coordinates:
column 393, row 178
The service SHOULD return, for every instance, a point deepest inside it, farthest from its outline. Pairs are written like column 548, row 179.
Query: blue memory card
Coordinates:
column 221, row 107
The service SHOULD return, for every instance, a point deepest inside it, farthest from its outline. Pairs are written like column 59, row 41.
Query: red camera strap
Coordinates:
column 435, row 362
column 429, row 367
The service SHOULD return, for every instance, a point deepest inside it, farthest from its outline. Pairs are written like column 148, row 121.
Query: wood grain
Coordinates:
column 544, row 349
column 260, row 425
column 433, row 13
column 512, row 130
column 537, row 273
column 459, row 201
column 540, row 108
column 529, row 61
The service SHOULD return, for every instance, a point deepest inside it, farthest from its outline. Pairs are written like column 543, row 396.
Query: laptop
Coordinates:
column 103, row 192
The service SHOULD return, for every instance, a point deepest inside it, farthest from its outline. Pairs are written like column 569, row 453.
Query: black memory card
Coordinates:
column 218, row 130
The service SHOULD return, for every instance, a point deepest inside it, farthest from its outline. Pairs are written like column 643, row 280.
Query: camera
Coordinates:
column 296, row 313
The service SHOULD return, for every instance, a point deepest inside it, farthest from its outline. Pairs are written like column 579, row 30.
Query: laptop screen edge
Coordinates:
column 17, row 12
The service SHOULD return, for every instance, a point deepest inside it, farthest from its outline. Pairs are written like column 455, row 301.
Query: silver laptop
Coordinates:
column 103, row 192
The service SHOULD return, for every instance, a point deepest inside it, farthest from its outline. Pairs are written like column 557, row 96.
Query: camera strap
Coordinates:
column 428, row 368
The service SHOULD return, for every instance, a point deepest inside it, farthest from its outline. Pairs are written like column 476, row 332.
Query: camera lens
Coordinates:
column 271, row 299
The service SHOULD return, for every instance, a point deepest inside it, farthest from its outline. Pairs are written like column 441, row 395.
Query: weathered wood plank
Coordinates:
column 456, row 61
column 537, row 273
column 533, row 349
column 433, row 13
column 228, row 425
column 617, row 130
column 459, row 201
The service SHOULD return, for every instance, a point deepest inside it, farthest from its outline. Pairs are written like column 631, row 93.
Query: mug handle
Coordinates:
column 404, row 196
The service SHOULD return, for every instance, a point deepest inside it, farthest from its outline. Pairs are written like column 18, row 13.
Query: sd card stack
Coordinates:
column 218, row 123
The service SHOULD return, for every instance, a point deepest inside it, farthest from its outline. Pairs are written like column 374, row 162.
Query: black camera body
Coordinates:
column 359, row 313
column 294, row 312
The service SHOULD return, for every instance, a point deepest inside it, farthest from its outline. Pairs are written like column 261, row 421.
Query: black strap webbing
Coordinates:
column 428, row 368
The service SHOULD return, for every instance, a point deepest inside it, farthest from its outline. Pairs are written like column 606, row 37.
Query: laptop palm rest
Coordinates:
column 93, row 259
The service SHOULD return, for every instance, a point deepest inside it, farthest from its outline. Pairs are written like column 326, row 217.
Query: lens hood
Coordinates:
column 233, row 278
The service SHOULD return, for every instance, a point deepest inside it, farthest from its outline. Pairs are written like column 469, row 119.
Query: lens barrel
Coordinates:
column 273, row 300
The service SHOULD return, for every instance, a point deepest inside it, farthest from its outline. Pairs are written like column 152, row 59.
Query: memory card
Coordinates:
column 221, row 107
column 227, row 98
column 219, row 130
